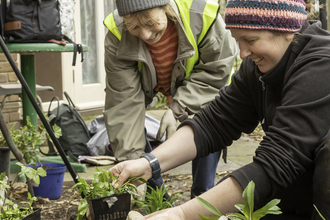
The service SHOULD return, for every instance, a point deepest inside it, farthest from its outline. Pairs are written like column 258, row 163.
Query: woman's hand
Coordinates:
column 132, row 168
column 175, row 213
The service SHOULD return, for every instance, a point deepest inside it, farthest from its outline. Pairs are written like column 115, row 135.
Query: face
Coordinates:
column 264, row 48
column 150, row 31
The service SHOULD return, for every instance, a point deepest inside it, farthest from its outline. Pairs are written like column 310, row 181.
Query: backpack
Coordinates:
column 75, row 134
column 37, row 21
column 32, row 21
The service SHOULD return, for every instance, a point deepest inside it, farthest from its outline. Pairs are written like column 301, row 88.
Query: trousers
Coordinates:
column 204, row 173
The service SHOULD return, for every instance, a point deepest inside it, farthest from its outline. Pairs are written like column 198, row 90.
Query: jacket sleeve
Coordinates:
column 288, row 149
column 232, row 112
column 217, row 53
column 301, row 121
column 124, row 104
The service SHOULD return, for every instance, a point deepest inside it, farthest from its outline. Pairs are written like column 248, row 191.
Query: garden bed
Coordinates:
column 66, row 209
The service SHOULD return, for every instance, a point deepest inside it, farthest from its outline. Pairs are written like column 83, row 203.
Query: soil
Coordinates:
column 66, row 206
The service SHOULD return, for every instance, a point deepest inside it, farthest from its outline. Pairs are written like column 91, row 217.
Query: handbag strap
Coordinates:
column 76, row 48
column 51, row 117
column 69, row 99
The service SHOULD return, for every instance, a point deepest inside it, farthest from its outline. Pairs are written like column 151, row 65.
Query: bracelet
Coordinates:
column 155, row 167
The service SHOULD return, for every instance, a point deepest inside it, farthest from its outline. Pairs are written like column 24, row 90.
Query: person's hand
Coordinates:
column 132, row 168
column 168, row 123
column 175, row 213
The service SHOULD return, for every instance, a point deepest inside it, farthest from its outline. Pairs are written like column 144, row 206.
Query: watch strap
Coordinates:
column 155, row 167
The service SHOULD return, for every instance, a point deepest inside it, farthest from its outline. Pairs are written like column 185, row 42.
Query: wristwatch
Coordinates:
column 155, row 167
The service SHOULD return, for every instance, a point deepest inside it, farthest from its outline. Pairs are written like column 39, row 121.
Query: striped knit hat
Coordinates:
column 129, row 6
column 276, row 15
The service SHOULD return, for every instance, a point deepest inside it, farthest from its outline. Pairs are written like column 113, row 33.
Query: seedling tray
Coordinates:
column 100, row 210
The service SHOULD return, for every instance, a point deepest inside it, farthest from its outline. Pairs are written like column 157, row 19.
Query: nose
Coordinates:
column 145, row 34
column 244, row 51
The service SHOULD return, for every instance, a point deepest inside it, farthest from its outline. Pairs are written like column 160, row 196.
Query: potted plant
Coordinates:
column 103, row 199
column 10, row 210
column 247, row 208
column 4, row 159
column 27, row 139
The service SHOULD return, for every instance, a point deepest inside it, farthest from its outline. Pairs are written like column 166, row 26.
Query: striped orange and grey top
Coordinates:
column 163, row 55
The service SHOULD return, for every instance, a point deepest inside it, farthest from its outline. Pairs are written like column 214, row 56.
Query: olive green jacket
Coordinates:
column 129, row 90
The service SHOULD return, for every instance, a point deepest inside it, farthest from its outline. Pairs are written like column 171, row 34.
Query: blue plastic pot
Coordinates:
column 51, row 185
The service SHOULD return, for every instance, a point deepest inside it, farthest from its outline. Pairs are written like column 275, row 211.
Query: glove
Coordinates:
column 168, row 123
column 134, row 215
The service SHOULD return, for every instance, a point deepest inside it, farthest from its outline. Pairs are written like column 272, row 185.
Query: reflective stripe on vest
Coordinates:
column 110, row 23
column 200, row 24
column 196, row 26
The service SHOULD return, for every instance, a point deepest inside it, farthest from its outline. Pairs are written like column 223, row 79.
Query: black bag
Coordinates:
column 32, row 21
column 75, row 133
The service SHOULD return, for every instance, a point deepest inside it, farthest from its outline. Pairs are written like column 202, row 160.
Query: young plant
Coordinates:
column 246, row 208
column 102, row 185
column 3, row 182
column 155, row 200
column 10, row 210
column 28, row 137
column 161, row 101
column 319, row 212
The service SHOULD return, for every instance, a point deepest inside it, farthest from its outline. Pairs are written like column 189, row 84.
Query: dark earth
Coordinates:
column 66, row 206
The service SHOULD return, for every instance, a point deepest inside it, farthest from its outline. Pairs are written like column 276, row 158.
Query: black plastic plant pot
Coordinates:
column 34, row 215
column 5, row 160
column 110, row 207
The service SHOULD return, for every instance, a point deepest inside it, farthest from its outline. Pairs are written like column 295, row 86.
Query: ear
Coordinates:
column 289, row 36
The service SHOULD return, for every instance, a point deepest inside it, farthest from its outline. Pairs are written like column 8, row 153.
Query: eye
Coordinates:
column 251, row 41
column 150, row 24
column 133, row 27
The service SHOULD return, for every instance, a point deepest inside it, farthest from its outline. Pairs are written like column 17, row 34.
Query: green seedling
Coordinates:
column 28, row 137
column 319, row 212
column 155, row 200
column 10, row 210
column 246, row 208
column 103, row 184
column 3, row 182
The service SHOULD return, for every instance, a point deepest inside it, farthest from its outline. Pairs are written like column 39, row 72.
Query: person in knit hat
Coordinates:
column 180, row 50
column 283, row 84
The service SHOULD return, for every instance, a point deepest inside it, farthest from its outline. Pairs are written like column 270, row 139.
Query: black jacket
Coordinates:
column 292, row 102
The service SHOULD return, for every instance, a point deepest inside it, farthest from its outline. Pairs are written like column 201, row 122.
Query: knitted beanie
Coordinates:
column 129, row 6
column 276, row 15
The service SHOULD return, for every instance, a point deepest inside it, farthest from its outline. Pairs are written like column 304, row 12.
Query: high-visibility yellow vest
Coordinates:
column 197, row 17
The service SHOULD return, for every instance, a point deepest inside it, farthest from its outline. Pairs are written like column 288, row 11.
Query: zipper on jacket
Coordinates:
column 262, row 83
column 263, row 87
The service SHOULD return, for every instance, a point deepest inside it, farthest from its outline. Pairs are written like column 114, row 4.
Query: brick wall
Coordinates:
column 7, row 75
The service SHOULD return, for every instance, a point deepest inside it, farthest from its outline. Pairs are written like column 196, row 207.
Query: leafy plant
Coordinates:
column 319, row 212
column 246, row 209
column 3, row 182
column 103, row 184
column 32, row 173
column 161, row 101
column 28, row 137
column 155, row 200
column 10, row 210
